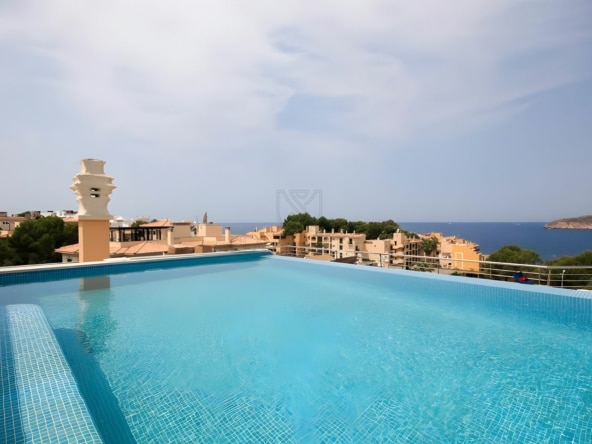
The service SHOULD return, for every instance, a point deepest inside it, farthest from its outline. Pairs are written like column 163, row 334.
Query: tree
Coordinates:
column 510, row 254
column 296, row 223
column 516, row 255
column 324, row 224
column 410, row 234
column 304, row 218
column 430, row 244
column 389, row 227
column 137, row 223
column 572, row 277
column 292, row 227
column 5, row 252
column 584, row 259
column 339, row 224
column 358, row 226
column 373, row 230
column 35, row 241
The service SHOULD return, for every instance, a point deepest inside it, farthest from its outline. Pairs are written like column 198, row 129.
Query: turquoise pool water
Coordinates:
column 279, row 350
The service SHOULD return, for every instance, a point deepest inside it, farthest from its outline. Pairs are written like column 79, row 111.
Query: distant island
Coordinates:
column 571, row 223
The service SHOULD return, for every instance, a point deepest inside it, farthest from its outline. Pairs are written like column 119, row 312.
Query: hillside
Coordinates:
column 571, row 223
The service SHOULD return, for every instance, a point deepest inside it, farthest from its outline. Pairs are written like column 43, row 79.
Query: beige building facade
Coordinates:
column 274, row 238
column 9, row 223
column 458, row 254
column 333, row 245
column 402, row 250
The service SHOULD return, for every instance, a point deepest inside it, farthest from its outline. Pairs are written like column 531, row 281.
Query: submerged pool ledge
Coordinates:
column 47, row 272
column 50, row 406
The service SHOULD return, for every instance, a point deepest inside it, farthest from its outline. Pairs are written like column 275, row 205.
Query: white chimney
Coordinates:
column 93, row 187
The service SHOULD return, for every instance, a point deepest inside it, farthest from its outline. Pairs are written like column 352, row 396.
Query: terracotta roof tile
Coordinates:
column 162, row 223
column 68, row 249
column 117, row 249
column 137, row 249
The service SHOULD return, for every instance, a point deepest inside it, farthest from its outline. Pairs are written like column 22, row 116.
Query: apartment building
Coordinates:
column 458, row 254
column 9, row 223
column 274, row 238
column 333, row 245
column 400, row 251
column 211, row 237
column 392, row 252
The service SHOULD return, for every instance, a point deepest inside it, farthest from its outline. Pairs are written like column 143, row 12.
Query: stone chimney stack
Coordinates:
column 227, row 235
column 93, row 187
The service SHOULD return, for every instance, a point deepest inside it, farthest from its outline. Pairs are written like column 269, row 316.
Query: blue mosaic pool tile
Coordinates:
column 51, row 408
column 10, row 424
column 158, row 414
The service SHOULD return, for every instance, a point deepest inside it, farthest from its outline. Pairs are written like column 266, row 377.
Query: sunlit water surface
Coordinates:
column 282, row 351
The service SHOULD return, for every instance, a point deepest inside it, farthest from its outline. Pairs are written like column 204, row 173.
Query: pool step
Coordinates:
column 50, row 406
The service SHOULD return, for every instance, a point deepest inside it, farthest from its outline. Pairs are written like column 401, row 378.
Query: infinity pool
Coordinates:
column 269, row 349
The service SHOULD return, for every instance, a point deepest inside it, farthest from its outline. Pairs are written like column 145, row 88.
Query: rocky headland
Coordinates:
column 571, row 223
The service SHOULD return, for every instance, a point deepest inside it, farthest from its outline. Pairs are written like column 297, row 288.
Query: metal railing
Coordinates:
column 573, row 277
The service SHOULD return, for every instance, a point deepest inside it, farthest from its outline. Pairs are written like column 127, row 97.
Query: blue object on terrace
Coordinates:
column 522, row 279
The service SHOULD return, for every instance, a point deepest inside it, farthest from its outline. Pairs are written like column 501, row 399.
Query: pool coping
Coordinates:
column 42, row 272
column 125, row 260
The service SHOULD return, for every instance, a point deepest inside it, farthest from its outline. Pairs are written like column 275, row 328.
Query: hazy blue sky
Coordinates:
column 408, row 110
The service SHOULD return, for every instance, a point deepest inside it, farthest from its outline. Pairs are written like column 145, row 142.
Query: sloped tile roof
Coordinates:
column 140, row 249
column 69, row 249
column 162, row 223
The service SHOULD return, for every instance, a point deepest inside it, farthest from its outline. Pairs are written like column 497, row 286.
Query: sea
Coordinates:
column 490, row 236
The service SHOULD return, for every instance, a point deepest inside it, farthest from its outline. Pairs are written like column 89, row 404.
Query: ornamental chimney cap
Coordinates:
column 92, row 166
column 92, row 188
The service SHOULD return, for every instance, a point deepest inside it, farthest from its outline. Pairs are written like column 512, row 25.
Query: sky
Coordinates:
column 366, row 110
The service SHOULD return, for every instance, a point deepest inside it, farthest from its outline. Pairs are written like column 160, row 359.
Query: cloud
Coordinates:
column 197, row 68
column 263, row 82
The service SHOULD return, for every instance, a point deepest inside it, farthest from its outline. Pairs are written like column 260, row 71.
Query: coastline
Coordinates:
column 571, row 223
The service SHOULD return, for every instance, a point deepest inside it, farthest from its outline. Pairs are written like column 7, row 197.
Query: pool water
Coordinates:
column 279, row 350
